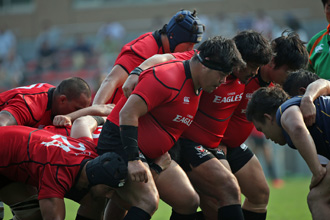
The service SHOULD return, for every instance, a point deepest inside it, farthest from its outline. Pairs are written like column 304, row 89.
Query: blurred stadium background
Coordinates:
column 49, row 40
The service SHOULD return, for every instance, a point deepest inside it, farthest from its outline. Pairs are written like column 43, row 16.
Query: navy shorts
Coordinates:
column 239, row 156
column 194, row 154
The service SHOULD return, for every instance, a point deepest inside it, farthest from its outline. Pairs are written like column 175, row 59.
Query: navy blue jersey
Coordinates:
column 320, row 131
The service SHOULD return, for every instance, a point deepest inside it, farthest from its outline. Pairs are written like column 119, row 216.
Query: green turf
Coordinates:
column 286, row 203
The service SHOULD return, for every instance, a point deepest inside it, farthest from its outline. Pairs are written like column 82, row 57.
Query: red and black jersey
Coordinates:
column 30, row 105
column 214, row 112
column 169, row 93
column 43, row 159
column 239, row 128
column 134, row 53
column 66, row 131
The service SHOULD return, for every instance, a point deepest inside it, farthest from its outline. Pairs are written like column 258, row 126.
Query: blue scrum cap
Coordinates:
column 184, row 27
column 109, row 169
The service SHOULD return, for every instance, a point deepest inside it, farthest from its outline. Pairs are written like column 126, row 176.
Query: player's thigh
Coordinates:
column 252, row 180
column 173, row 183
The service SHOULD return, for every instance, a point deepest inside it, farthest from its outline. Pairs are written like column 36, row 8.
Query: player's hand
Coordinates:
column 163, row 161
column 62, row 120
column 137, row 171
column 308, row 110
column 317, row 178
column 130, row 84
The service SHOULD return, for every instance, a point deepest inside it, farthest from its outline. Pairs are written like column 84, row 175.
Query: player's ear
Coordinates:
column 268, row 117
column 63, row 98
column 301, row 91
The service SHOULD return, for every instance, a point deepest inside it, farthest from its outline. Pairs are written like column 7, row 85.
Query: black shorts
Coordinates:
column 194, row 154
column 239, row 156
column 110, row 141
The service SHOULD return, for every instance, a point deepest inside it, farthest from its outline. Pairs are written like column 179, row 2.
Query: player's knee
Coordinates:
column 150, row 202
column 261, row 195
column 313, row 197
column 230, row 187
column 187, row 203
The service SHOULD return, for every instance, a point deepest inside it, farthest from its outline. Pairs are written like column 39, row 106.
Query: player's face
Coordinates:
column 246, row 73
column 271, row 130
column 101, row 191
column 67, row 106
column 327, row 11
column 212, row 79
column 184, row 47
column 279, row 75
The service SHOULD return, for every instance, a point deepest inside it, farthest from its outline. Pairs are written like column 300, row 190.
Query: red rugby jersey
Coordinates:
column 30, row 105
column 134, row 53
column 43, row 159
column 214, row 112
column 169, row 93
column 239, row 127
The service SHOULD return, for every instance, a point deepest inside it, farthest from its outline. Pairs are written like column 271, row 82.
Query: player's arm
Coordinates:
column 313, row 91
column 85, row 126
column 113, row 80
column 293, row 123
column 52, row 209
column 97, row 110
column 6, row 118
column 134, row 108
column 133, row 77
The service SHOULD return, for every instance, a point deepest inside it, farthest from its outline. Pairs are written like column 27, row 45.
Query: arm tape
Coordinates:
column 128, row 134
column 136, row 71
column 99, row 120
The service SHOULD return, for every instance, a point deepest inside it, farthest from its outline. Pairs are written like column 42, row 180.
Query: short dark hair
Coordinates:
column 72, row 88
column 265, row 100
column 298, row 79
column 324, row 2
column 254, row 47
column 290, row 50
column 222, row 51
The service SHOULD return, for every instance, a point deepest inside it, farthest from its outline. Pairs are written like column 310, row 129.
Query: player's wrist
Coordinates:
column 136, row 71
column 128, row 134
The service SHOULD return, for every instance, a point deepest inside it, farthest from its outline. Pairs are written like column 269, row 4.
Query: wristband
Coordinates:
column 156, row 168
column 136, row 71
column 128, row 135
column 99, row 120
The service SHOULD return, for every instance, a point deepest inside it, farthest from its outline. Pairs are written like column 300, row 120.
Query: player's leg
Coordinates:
column 116, row 208
column 319, row 198
column 143, row 198
column 22, row 199
column 176, row 190
column 252, row 181
column 211, row 178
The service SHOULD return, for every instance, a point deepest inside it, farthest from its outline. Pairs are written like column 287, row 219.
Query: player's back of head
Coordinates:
column 73, row 87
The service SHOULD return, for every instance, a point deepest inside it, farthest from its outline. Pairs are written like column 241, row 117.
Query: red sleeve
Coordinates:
column 151, row 90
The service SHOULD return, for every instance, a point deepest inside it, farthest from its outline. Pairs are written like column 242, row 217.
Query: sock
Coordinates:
column 200, row 215
column 79, row 217
column 230, row 212
column 177, row 216
column 248, row 215
column 136, row 213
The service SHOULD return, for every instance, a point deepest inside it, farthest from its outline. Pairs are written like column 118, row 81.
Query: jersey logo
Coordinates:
column 63, row 142
column 184, row 120
column 319, row 48
column 186, row 100
column 201, row 151
column 231, row 97
column 244, row 147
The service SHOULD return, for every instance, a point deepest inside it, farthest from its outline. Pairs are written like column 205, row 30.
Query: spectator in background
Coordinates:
column 49, row 35
column 7, row 42
column 11, row 71
column 318, row 48
column 295, row 25
column 223, row 26
column 47, row 44
column 81, row 52
column 263, row 24
column 244, row 22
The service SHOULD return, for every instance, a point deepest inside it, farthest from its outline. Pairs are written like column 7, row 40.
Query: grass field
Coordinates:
column 287, row 203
